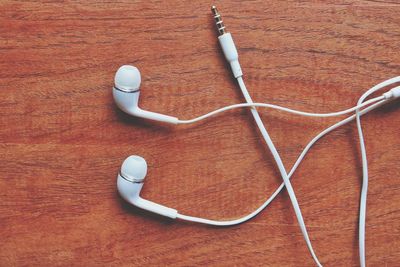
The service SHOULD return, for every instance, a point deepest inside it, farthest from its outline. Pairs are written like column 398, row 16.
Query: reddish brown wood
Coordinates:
column 62, row 139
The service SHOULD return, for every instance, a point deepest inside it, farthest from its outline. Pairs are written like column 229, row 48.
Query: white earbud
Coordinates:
column 126, row 93
column 130, row 182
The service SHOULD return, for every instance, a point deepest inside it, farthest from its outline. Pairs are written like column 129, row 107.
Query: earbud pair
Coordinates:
column 126, row 93
column 130, row 179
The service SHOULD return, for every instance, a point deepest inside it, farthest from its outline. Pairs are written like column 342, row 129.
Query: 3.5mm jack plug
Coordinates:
column 227, row 44
column 218, row 20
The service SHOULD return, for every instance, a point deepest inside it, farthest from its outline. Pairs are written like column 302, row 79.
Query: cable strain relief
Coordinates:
column 388, row 95
column 393, row 93
column 236, row 69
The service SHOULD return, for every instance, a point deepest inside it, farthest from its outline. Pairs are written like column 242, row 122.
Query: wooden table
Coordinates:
column 62, row 138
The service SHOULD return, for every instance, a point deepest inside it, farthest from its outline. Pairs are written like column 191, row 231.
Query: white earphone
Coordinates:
column 131, row 177
column 126, row 93
column 130, row 182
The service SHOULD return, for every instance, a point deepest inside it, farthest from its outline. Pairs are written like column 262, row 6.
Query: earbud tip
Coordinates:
column 134, row 167
column 127, row 78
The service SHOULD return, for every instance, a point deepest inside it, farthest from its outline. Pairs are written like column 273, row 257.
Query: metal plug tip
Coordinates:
column 218, row 20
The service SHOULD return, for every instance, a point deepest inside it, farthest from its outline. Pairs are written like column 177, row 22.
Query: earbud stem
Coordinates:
column 154, row 116
column 130, row 191
column 155, row 208
column 128, row 102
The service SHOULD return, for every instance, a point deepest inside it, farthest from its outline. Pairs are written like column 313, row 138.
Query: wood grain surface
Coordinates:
column 62, row 138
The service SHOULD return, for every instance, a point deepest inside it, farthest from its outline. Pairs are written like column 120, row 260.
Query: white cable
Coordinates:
column 293, row 111
column 281, row 168
column 364, row 191
column 294, row 168
column 301, row 157
column 364, row 187
column 231, row 55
